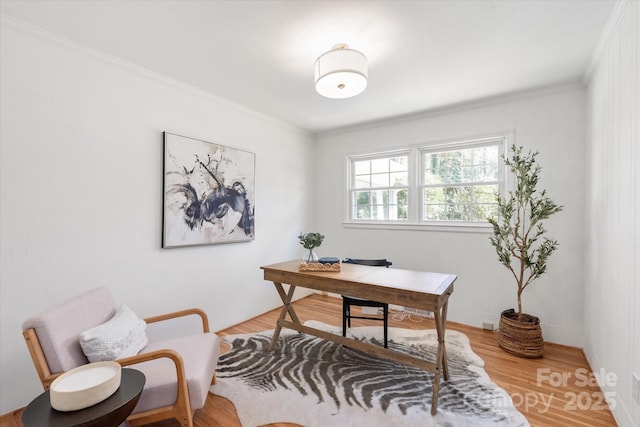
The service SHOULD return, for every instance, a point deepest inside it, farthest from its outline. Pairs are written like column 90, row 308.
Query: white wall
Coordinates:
column 81, row 197
column 552, row 122
column 81, row 194
column 612, row 290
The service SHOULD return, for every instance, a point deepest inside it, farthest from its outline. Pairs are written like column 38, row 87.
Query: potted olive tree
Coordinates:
column 520, row 242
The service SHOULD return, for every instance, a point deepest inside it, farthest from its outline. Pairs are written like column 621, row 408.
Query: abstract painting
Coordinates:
column 209, row 193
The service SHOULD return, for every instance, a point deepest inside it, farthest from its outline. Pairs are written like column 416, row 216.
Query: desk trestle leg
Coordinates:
column 286, row 298
column 441, row 356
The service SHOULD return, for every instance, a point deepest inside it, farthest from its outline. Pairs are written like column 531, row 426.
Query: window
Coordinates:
column 379, row 187
column 446, row 184
column 460, row 184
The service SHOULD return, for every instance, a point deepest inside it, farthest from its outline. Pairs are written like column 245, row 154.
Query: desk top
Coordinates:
column 391, row 285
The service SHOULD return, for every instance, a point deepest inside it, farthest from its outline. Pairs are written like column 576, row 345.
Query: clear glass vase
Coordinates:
column 310, row 256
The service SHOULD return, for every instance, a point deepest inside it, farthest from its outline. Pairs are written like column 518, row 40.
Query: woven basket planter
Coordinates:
column 522, row 338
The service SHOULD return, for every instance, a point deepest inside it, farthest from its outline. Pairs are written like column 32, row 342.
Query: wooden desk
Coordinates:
column 417, row 289
column 108, row 413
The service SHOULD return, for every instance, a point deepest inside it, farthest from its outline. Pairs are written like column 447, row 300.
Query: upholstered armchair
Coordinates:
column 178, row 370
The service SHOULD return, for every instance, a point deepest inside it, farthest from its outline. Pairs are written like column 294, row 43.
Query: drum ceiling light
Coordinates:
column 341, row 72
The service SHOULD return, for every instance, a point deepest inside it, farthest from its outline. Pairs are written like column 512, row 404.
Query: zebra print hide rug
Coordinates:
column 318, row 383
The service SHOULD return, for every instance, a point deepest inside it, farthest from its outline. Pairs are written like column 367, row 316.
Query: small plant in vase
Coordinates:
column 310, row 241
column 518, row 238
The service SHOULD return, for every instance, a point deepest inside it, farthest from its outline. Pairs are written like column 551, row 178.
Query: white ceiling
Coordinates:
column 422, row 55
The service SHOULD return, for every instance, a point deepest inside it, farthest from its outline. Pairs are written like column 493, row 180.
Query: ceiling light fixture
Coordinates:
column 341, row 72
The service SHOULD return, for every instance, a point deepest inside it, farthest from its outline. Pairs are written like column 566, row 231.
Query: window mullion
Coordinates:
column 415, row 196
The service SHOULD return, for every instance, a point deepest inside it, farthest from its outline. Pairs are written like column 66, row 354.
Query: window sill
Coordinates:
column 448, row 227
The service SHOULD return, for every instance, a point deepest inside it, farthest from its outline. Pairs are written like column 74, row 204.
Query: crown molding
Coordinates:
column 618, row 13
column 459, row 107
column 19, row 25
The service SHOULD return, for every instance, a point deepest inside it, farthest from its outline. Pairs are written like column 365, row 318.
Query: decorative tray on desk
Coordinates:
column 319, row 266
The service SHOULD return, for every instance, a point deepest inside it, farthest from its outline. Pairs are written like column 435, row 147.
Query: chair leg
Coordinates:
column 386, row 324
column 344, row 318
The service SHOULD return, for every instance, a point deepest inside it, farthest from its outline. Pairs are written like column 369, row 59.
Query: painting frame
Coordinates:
column 208, row 193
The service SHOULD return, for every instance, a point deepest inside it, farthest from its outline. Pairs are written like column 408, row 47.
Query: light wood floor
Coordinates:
column 532, row 383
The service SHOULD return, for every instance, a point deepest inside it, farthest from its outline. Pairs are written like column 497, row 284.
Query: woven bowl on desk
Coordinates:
column 318, row 266
column 85, row 386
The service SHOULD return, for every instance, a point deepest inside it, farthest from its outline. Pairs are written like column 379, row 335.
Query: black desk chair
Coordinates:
column 348, row 301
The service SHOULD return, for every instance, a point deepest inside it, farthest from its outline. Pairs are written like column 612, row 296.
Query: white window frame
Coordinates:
column 415, row 203
column 351, row 187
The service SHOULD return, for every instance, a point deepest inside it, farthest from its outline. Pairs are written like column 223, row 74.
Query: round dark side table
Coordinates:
column 108, row 413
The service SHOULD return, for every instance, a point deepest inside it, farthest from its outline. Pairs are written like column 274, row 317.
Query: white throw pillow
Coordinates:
column 121, row 336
